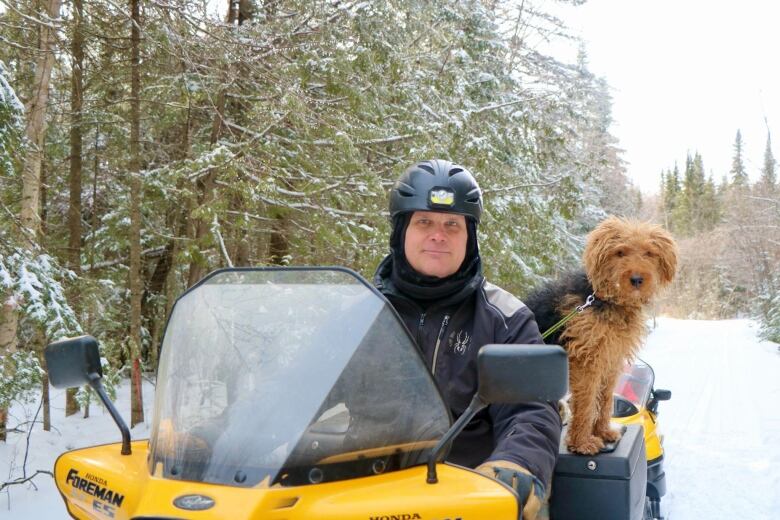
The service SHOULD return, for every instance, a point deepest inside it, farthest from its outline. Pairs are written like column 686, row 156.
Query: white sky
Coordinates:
column 685, row 75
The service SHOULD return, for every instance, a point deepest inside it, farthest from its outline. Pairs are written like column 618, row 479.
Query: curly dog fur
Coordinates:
column 626, row 263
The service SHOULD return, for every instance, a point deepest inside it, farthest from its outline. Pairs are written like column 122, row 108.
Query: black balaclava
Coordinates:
column 423, row 288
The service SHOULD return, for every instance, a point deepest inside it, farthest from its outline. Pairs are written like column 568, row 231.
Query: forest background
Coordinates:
column 144, row 144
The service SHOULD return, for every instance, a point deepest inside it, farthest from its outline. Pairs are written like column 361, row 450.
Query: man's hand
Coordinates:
column 530, row 490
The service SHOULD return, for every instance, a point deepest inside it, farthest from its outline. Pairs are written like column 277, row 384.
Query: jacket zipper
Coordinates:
column 419, row 329
column 438, row 342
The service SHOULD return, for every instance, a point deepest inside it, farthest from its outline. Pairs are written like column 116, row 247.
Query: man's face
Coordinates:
column 435, row 243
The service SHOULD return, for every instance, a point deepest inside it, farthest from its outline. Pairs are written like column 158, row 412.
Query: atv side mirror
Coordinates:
column 510, row 374
column 75, row 362
column 662, row 395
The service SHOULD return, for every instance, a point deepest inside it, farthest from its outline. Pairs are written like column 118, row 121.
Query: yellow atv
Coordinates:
column 297, row 393
column 636, row 402
column 626, row 480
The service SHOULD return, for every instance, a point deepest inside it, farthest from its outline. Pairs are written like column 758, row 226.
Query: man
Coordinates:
column 433, row 278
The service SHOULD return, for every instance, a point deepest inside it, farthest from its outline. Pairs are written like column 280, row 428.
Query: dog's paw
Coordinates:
column 609, row 435
column 589, row 445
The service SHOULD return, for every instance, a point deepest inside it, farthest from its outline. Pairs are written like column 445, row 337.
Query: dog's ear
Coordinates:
column 600, row 243
column 667, row 253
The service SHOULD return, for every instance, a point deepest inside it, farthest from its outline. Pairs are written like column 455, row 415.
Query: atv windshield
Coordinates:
column 289, row 377
column 633, row 388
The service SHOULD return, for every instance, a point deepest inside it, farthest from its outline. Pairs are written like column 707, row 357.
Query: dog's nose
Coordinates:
column 637, row 280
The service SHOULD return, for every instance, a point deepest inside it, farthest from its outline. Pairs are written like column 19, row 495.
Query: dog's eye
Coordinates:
column 649, row 254
column 620, row 253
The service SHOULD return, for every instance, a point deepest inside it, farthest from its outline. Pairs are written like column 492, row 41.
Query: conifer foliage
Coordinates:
column 689, row 205
column 738, row 174
column 768, row 179
column 730, row 238
column 180, row 140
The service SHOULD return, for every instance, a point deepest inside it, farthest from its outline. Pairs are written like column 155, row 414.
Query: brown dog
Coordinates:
column 626, row 263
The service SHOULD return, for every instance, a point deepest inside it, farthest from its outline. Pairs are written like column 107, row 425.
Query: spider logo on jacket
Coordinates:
column 461, row 342
column 626, row 263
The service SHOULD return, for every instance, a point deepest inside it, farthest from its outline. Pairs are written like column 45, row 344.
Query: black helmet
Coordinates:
column 437, row 186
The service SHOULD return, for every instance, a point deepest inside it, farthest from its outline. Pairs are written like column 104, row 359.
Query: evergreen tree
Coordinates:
column 738, row 174
column 11, row 124
column 770, row 324
column 710, row 206
column 670, row 195
column 768, row 179
column 682, row 216
column 697, row 188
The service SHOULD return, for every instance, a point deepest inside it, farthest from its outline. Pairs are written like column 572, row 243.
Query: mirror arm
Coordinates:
column 474, row 407
column 97, row 386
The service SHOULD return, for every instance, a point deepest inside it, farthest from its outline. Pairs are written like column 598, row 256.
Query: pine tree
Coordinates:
column 697, row 188
column 11, row 124
column 738, row 174
column 710, row 206
column 683, row 213
column 76, row 167
column 134, row 276
column 670, row 194
column 768, row 179
column 11, row 128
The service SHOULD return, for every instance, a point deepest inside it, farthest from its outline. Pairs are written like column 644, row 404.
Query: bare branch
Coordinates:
column 22, row 480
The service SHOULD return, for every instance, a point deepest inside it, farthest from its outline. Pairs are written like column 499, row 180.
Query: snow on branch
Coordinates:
column 218, row 234
column 303, row 206
column 368, row 142
column 33, row 279
column 152, row 252
column 514, row 187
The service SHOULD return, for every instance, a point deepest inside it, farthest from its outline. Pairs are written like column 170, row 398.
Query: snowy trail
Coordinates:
column 722, row 430
column 722, row 427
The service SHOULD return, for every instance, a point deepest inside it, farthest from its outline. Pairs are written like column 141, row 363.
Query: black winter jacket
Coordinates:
column 449, row 334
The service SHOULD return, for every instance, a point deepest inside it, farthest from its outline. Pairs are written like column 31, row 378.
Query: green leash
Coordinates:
column 588, row 302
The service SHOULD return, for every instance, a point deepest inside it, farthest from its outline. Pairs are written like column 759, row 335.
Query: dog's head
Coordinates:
column 627, row 262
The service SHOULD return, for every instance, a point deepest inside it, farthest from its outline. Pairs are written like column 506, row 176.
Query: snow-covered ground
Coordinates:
column 722, row 427
column 40, row 500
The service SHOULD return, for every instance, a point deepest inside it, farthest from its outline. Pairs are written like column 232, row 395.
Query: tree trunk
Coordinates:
column 205, row 186
column 150, row 311
column 242, row 253
column 136, row 289
column 8, row 325
column 279, row 246
column 36, row 126
column 45, row 394
column 3, row 423
column 94, row 209
column 43, row 205
column 74, row 206
column 39, row 342
column 76, row 139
